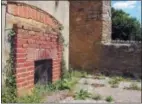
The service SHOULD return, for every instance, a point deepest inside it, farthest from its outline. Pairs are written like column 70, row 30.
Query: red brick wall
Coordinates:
column 85, row 34
column 32, row 43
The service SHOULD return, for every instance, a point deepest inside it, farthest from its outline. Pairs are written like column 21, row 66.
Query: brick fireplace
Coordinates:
column 38, row 57
column 37, row 48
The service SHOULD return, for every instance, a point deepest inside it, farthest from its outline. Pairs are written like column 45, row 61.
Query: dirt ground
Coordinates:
column 104, row 89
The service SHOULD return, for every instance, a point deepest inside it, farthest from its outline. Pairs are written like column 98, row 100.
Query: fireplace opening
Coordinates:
column 43, row 71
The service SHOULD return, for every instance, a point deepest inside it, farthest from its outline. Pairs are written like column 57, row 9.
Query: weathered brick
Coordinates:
column 30, row 77
column 12, row 9
column 20, row 60
column 30, row 12
column 31, row 41
column 34, row 14
column 20, row 50
column 28, row 63
column 32, row 33
column 44, row 18
column 19, row 85
column 24, row 84
column 19, row 65
column 31, row 81
column 20, row 80
column 21, row 41
column 38, row 15
column 31, row 68
column 21, row 75
column 25, row 45
column 20, row 70
column 20, row 55
column 41, row 17
column 56, row 65
column 26, row 9
column 21, row 11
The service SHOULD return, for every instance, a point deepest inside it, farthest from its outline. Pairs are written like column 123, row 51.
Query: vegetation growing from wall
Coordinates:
column 63, row 64
column 125, row 27
column 9, row 94
column 9, row 91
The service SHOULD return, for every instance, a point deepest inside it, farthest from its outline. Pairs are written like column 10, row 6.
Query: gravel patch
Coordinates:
column 56, row 96
column 81, row 101
column 127, row 84
column 120, row 95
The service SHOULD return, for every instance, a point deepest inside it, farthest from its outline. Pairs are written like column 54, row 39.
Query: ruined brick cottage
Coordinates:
column 87, row 35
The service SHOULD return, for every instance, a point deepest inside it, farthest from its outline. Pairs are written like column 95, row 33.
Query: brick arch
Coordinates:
column 27, row 11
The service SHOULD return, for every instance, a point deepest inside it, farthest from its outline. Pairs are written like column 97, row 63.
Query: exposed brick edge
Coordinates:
column 31, row 12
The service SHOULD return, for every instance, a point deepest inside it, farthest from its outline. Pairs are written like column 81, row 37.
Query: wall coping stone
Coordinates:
column 24, row 26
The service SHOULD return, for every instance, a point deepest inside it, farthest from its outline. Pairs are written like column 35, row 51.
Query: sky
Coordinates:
column 131, row 7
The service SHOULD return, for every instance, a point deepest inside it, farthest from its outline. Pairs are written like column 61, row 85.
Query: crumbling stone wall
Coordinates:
column 121, row 59
column 91, row 47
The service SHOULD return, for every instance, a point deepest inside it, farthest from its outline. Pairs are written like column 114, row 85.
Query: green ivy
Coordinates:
column 11, row 33
column 9, row 92
column 63, row 67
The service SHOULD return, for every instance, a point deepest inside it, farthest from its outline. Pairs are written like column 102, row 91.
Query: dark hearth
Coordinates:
column 43, row 71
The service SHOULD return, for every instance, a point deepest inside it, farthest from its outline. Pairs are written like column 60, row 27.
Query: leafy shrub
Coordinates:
column 9, row 95
column 9, row 92
column 63, row 84
column 82, row 94
column 109, row 99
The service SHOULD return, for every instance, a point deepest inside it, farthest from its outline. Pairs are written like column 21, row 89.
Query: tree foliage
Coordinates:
column 125, row 27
